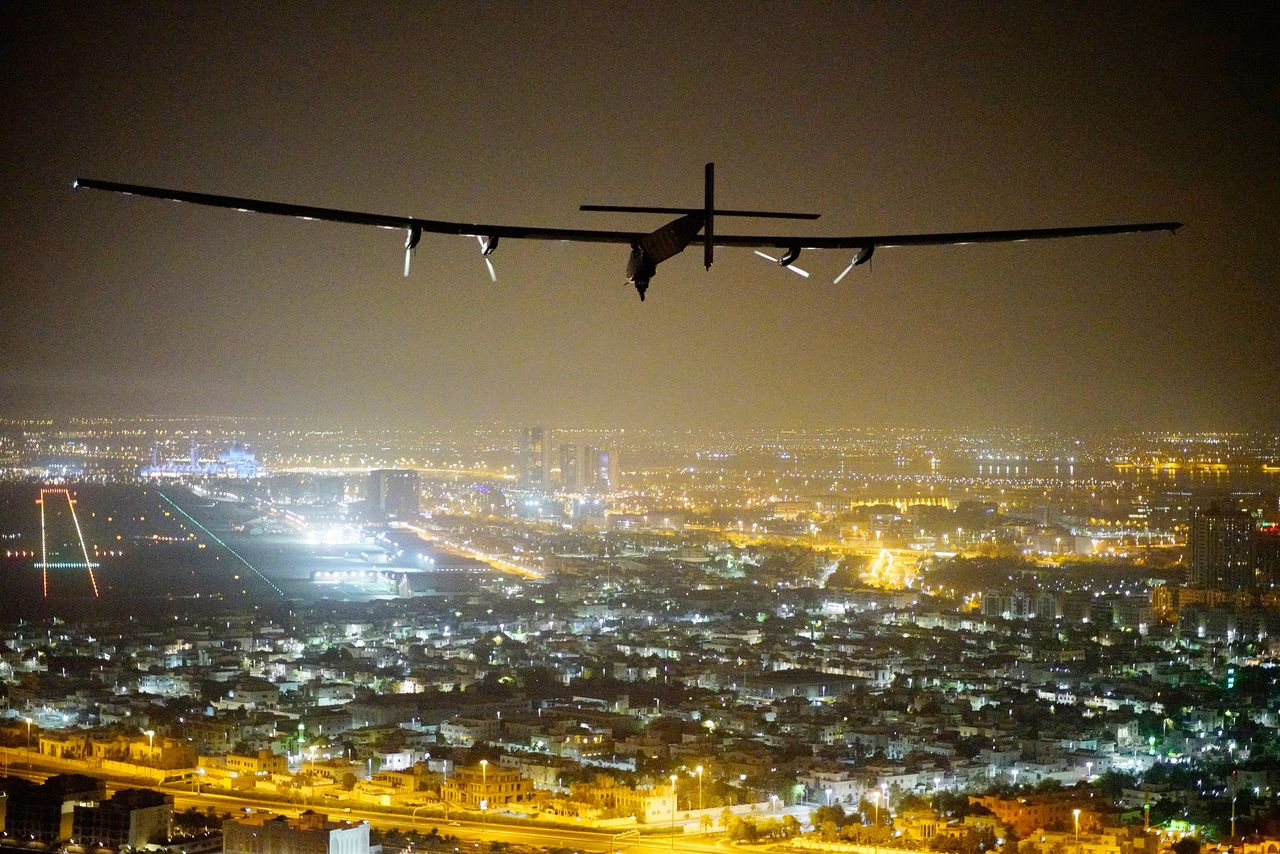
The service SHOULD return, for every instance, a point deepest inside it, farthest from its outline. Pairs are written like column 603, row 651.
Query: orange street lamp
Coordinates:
column 699, row 770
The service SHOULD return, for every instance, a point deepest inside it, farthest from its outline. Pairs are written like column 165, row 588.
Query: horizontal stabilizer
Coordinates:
column 718, row 211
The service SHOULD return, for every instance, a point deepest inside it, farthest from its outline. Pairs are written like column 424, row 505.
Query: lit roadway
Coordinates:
column 467, row 830
column 499, row 563
column 488, row 474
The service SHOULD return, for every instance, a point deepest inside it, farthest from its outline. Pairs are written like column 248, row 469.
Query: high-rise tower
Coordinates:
column 1220, row 549
column 534, row 459
column 394, row 493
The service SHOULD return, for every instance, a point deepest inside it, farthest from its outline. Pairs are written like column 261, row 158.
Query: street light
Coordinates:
column 699, row 770
column 484, row 786
column 674, row 803
column 875, row 799
column 1076, row 814
column 28, row 742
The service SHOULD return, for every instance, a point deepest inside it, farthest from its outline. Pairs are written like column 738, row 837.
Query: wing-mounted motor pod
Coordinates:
column 487, row 245
column 656, row 247
column 863, row 256
column 412, row 237
column 788, row 260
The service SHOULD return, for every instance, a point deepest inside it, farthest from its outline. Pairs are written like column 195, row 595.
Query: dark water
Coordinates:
column 1239, row 476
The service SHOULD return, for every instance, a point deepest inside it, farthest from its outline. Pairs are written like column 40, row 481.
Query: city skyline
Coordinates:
column 260, row 633
column 966, row 549
column 886, row 118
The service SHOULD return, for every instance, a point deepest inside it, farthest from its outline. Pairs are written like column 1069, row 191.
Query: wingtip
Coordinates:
column 75, row 184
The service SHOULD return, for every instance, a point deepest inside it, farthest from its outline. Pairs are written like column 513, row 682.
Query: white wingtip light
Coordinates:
column 793, row 268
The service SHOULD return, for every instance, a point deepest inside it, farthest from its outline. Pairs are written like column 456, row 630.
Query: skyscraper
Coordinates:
column 574, row 467
column 394, row 492
column 605, row 462
column 1267, row 554
column 1220, row 549
column 534, row 458
column 583, row 467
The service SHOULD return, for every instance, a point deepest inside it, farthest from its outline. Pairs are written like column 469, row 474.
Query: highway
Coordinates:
column 467, row 830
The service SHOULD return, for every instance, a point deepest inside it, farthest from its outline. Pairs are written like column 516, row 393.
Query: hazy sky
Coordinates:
column 886, row 117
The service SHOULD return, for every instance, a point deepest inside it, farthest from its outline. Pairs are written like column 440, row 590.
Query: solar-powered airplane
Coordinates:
column 648, row 249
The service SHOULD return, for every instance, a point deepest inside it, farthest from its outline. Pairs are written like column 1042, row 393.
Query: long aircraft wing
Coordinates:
column 432, row 226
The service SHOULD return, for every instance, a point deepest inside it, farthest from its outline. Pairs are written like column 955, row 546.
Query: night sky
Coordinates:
column 887, row 118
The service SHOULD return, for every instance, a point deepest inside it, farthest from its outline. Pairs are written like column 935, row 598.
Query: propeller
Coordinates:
column 843, row 273
column 784, row 261
column 411, row 238
column 487, row 245
column 862, row 257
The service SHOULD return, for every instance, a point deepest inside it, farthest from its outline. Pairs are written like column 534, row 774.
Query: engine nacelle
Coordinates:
column 412, row 237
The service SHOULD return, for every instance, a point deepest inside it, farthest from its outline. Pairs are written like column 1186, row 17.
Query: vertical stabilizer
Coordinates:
column 709, row 206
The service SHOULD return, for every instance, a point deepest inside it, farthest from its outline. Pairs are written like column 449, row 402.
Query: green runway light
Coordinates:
column 211, row 535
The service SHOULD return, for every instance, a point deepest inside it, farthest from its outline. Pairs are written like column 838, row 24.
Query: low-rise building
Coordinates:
column 466, row 732
column 43, row 812
column 309, row 833
column 262, row 763
column 649, row 805
column 1050, row 811
column 132, row 817
column 487, row 787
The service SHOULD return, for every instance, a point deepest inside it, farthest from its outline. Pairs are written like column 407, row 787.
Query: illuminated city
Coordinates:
column 640, row 428
column 879, row 636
